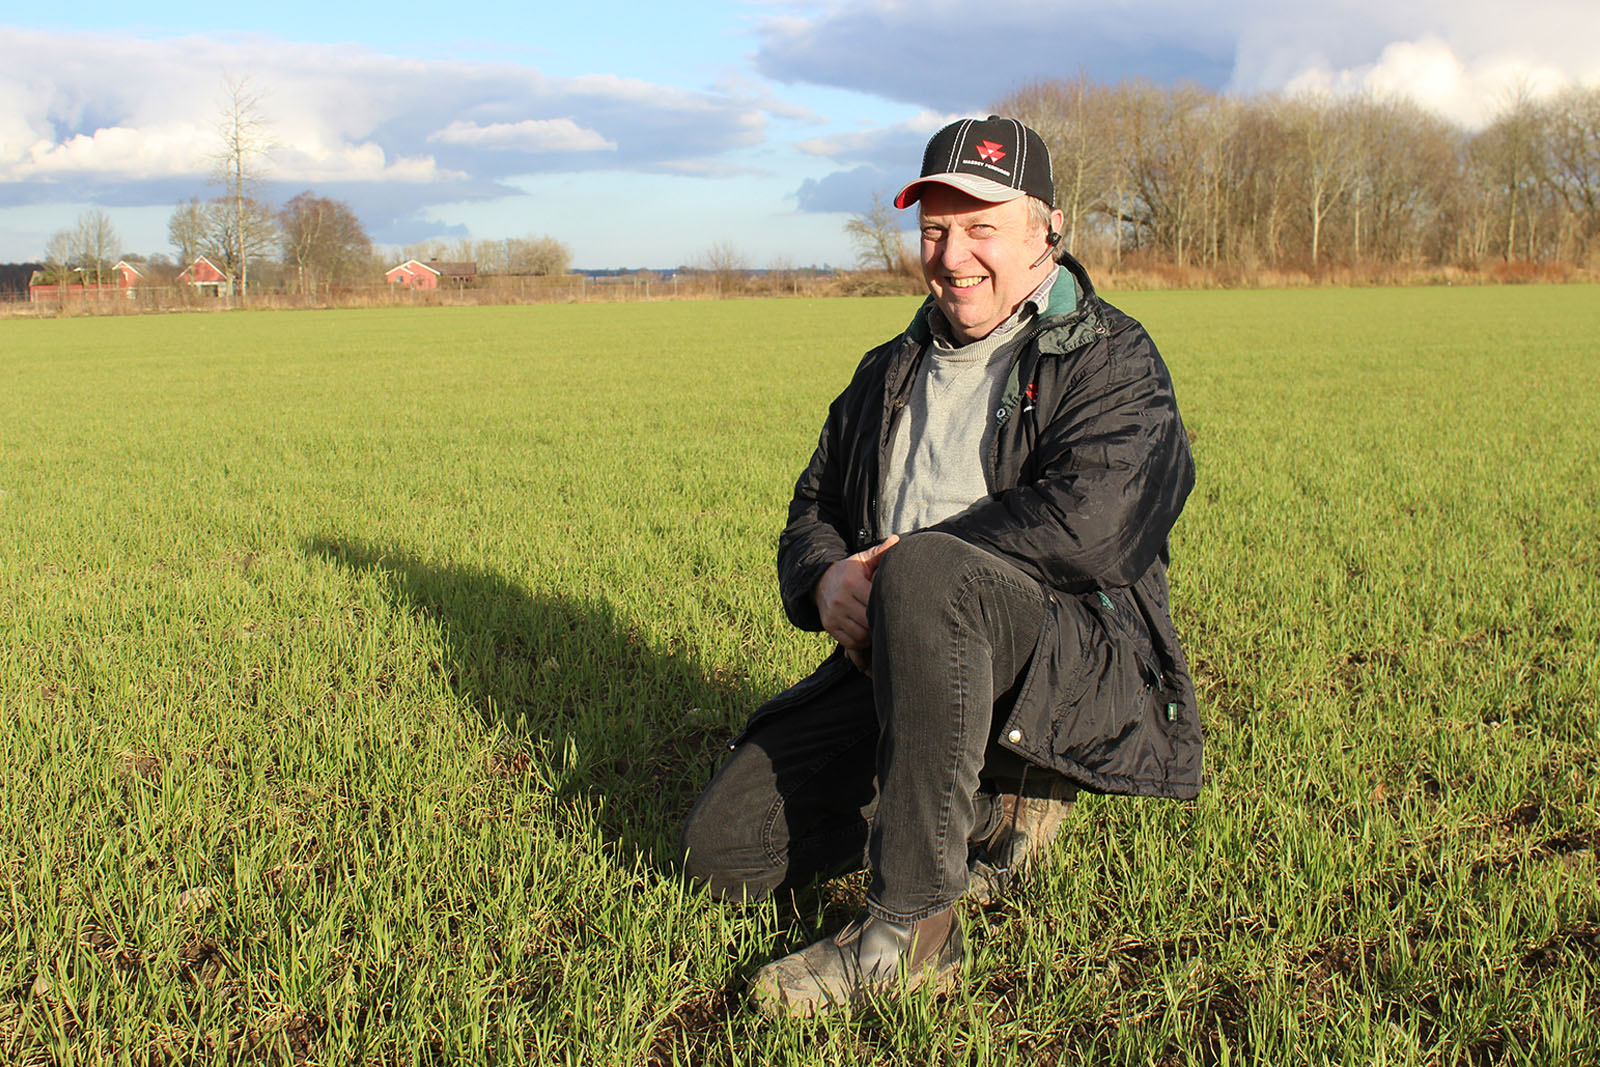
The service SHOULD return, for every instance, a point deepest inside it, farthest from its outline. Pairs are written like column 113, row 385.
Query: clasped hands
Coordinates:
column 842, row 595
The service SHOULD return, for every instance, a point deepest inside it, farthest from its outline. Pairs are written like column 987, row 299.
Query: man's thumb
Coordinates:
column 875, row 553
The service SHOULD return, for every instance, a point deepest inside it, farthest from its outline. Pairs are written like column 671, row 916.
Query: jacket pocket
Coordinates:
column 1108, row 724
column 1126, row 630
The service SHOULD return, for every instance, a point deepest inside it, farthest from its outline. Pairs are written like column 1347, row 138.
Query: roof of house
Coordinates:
column 450, row 270
column 221, row 274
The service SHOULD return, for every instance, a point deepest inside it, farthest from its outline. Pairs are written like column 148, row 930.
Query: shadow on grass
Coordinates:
column 633, row 728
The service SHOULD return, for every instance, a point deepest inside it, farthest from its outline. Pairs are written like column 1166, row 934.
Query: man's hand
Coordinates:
column 842, row 595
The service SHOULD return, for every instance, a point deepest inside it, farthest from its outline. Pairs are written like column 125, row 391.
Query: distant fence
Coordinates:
column 487, row 290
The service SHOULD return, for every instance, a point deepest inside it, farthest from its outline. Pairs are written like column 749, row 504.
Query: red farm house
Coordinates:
column 129, row 277
column 415, row 274
column 206, row 277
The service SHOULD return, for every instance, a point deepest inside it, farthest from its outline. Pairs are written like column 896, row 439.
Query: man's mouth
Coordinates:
column 964, row 283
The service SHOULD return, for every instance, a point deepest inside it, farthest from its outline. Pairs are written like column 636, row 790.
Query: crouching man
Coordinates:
column 983, row 530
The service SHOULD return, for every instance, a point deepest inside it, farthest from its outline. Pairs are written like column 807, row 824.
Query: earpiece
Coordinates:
column 1051, row 239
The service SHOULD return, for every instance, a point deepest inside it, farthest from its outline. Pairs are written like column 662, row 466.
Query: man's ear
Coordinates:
column 1057, row 220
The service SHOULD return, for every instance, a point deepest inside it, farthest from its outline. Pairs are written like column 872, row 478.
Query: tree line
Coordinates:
column 1191, row 177
column 311, row 246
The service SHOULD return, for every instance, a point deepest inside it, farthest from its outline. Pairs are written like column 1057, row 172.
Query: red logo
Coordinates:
column 990, row 151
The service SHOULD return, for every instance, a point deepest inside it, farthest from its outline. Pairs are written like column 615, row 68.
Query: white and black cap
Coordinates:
column 992, row 159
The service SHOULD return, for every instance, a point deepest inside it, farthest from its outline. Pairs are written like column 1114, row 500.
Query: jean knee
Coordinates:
column 920, row 569
column 714, row 859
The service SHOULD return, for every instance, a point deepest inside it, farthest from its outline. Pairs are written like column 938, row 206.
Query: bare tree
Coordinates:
column 1572, row 162
column 725, row 263
column 535, row 254
column 422, row 251
column 1072, row 118
column 1319, row 129
column 97, row 244
column 1403, row 161
column 239, row 166
column 1168, row 139
column 876, row 235
column 1506, row 154
column 323, row 242
column 59, row 253
column 232, row 234
column 186, row 230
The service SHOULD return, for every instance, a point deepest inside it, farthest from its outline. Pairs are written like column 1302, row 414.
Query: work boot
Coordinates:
column 1023, row 833
column 871, row 958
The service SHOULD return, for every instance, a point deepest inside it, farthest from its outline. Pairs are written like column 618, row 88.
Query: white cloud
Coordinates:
column 1429, row 72
column 529, row 135
column 153, row 152
column 100, row 111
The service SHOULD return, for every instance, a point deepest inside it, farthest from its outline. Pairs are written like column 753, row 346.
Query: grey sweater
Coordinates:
column 935, row 467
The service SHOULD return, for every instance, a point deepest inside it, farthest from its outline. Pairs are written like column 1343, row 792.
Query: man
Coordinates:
column 983, row 531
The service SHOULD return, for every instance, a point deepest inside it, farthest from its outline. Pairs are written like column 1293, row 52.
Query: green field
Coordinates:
column 357, row 668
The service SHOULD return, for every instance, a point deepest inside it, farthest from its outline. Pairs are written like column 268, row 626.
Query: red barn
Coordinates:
column 415, row 274
column 205, row 276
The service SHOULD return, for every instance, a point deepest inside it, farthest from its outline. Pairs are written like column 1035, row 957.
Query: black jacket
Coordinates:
column 1089, row 469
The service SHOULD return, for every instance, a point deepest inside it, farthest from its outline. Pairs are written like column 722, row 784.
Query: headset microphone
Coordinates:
column 1051, row 239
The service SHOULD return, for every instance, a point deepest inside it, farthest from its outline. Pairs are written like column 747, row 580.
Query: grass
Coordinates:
column 359, row 666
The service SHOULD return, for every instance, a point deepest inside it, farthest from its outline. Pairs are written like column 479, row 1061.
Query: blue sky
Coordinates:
column 643, row 134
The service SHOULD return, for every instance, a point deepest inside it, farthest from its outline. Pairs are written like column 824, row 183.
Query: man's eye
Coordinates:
column 931, row 233
column 981, row 231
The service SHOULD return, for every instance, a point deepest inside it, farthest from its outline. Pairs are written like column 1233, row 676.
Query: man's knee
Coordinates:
column 714, row 858
column 920, row 570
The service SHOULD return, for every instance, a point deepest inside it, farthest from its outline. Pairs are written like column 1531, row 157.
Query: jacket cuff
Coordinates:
column 799, row 595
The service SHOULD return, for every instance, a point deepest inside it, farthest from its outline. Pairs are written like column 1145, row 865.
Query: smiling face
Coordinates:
column 978, row 258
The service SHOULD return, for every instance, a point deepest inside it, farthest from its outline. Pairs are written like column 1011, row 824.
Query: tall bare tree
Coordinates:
column 1507, row 155
column 97, row 244
column 876, row 234
column 1320, row 130
column 1072, row 117
column 1572, row 162
column 239, row 165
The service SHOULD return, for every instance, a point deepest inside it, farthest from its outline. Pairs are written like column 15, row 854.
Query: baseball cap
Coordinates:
column 992, row 159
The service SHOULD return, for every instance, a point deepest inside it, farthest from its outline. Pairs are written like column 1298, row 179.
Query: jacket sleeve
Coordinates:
column 1113, row 471
column 817, row 534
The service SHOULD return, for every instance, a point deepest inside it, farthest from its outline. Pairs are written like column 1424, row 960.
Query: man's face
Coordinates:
column 977, row 258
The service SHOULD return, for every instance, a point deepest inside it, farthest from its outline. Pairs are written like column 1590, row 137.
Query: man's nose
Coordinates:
column 956, row 248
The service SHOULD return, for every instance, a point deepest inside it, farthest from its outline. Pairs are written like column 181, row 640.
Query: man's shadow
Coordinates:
column 621, row 723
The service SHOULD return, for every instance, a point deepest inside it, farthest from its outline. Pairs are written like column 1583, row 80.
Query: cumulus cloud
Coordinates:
column 90, row 116
column 1429, row 72
column 529, row 135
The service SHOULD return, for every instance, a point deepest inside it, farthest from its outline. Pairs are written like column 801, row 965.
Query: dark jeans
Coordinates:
column 892, row 771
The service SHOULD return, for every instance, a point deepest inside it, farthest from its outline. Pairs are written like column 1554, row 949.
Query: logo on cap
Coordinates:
column 990, row 151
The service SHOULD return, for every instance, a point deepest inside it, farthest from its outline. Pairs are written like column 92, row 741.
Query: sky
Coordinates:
column 643, row 135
